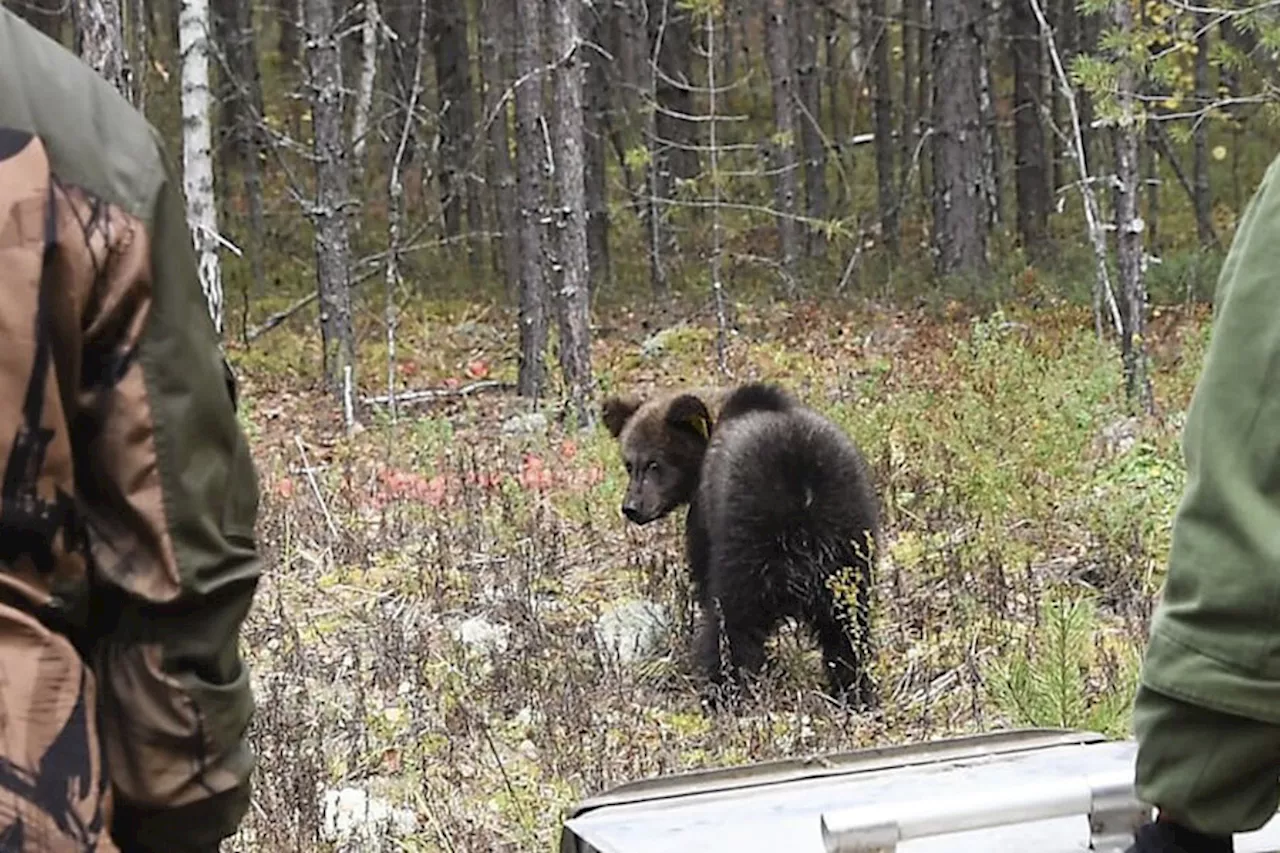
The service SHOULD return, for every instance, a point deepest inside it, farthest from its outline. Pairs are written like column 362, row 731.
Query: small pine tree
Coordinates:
column 1061, row 673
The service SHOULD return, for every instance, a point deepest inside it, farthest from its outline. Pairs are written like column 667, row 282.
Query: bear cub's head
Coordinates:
column 663, row 442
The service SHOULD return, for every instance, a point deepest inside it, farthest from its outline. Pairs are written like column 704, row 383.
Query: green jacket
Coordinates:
column 128, row 496
column 1215, row 636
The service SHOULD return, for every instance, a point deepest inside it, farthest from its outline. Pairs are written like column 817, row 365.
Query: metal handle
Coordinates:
column 1108, row 799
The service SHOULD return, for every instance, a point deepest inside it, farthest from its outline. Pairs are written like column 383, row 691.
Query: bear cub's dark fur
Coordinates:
column 780, row 503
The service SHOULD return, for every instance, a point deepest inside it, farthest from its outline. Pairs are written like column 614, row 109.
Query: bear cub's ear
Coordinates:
column 617, row 411
column 688, row 412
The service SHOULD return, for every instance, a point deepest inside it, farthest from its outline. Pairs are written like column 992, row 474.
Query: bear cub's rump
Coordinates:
column 780, row 509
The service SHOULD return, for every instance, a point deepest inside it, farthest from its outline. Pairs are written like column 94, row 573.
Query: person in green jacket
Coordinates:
column 128, row 496
column 1207, row 710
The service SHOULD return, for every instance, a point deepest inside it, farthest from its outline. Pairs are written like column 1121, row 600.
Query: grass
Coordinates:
column 1023, row 511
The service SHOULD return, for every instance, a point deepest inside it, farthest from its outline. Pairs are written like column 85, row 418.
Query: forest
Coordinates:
column 983, row 236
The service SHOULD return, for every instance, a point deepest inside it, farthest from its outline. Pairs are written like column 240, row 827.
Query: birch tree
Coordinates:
column 197, row 157
column 778, row 54
column 1129, row 225
column 370, row 30
column 100, row 41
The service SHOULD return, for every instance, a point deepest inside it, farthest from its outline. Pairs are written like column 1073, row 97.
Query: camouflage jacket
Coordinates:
column 128, row 496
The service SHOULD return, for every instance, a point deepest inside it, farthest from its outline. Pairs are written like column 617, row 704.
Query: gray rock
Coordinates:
column 632, row 631
column 526, row 424
column 656, row 343
column 481, row 635
column 354, row 820
column 1118, row 437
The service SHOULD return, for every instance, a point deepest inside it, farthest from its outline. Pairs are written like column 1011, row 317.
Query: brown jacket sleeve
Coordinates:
column 143, row 442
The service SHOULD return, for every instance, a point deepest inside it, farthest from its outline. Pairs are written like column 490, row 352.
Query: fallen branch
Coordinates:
column 279, row 317
column 438, row 393
column 315, row 487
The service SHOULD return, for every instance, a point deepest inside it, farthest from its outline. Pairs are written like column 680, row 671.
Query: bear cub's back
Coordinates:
column 783, row 467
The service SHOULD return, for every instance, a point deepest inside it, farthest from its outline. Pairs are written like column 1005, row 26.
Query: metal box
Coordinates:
column 1042, row 790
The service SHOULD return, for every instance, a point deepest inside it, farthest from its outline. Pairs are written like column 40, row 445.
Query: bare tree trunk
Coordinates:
column 457, row 122
column 875, row 28
column 1200, row 138
column 1129, row 228
column 658, row 180
column 495, row 43
column 617, row 32
column 631, row 55
column 333, row 246
column 529, row 169
column 1097, row 237
column 403, row 17
column 395, row 212
column 1031, row 177
column 197, row 156
column 100, row 42
column 349, row 24
column 986, row 31
column 777, row 35
column 834, row 57
column 924, row 91
column 1060, row 20
column 574, row 275
column 1087, row 31
column 724, row 23
column 369, row 34
column 139, row 15
column 672, row 50
column 597, row 128
column 1230, row 78
column 670, row 137
column 713, row 155
column 290, row 44
column 1148, row 164
column 809, row 116
column 244, row 110
column 910, row 116
column 959, row 155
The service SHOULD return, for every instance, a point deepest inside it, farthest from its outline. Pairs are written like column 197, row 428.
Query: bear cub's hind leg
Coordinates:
column 726, row 675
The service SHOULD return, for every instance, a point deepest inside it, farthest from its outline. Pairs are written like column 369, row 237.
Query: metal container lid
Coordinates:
column 1016, row 776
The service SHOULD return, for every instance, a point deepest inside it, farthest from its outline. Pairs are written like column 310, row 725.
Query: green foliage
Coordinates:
column 1048, row 675
column 1138, row 492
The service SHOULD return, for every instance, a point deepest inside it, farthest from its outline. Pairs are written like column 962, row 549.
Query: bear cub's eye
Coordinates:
column 652, row 466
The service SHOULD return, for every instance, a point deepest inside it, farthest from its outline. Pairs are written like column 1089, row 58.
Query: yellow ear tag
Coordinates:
column 700, row 424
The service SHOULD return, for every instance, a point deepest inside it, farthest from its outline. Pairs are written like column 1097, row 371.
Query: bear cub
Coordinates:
column 780, row 509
